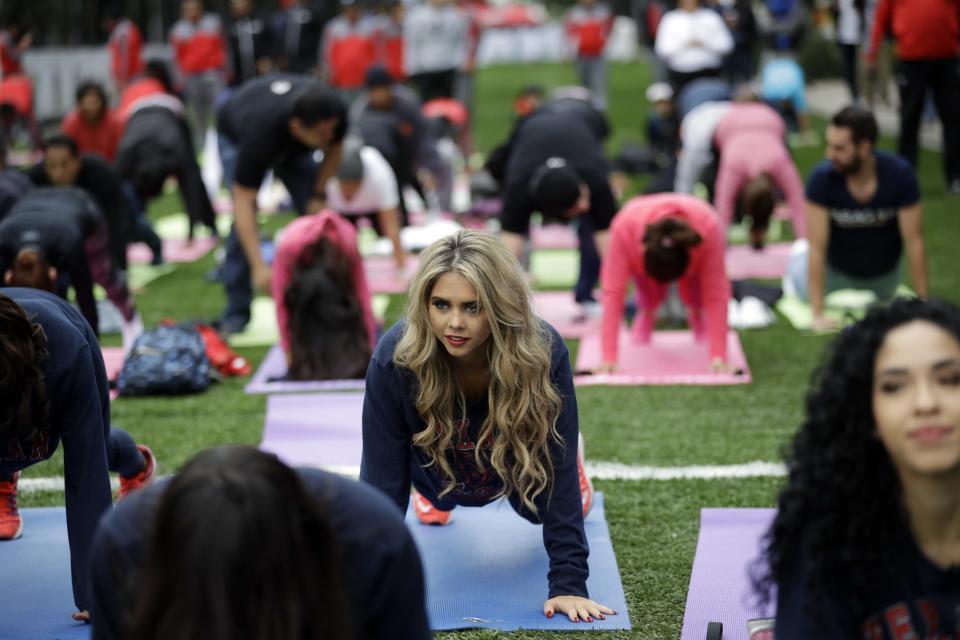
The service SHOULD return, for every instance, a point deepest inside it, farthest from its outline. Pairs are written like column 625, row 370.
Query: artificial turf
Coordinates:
column 653, row 523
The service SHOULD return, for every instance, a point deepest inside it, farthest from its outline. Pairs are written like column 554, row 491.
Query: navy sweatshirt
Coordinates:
column 916, row 599
column 379, row 560
column 390, row 420
column 79, row 417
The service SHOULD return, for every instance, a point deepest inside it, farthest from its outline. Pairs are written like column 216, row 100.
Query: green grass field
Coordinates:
column 653, row 523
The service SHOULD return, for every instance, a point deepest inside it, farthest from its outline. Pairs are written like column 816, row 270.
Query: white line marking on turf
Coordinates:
column 596, row 470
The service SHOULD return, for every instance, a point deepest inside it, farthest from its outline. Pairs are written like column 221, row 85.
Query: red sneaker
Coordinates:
column 427, row 513
column 11, row 525
column 142, row 479
column 586, row 487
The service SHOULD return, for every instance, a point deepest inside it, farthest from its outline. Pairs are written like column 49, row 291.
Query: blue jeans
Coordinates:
column 298, row 174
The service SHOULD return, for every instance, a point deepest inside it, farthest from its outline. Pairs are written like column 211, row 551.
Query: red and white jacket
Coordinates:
column 589, row 28
column 388, row 38
column 348, row 49
column 126, row 52
column 199, row 46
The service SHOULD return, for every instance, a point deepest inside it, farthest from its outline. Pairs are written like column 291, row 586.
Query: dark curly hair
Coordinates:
column 842, row 506
column 24, row 407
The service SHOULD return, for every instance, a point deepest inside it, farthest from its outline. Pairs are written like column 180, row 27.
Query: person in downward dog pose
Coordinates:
column 471, row 398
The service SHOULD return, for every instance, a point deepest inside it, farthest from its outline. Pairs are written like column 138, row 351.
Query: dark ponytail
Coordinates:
column 24, row 407
column 667, row 245
column 328, row 333
column 31, row 269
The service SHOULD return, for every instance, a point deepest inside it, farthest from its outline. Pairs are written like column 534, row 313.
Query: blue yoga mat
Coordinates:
column 36, row 596
column 487, row 569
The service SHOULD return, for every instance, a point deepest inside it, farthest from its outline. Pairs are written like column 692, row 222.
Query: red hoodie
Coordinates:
column 923, row 29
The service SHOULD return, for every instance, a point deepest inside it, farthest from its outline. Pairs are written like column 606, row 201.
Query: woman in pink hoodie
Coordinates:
column 657, row 240
column 324, row 312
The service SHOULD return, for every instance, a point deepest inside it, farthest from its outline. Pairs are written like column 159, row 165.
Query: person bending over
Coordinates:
column 93, row 124
column 55, row 390
column 657, row 240
column 866, row 541
column 365, row 186
column 62, row 228
column 327, row 329
column 277, row 121
column 470, row 398
column 863, row 211
column 285, row 555
column 755, row 167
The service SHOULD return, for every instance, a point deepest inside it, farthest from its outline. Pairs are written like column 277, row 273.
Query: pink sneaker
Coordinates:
column 142, row 479
column 11, row 524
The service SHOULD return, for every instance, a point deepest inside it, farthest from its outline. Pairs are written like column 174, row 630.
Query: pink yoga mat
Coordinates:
column 553, row 236
column 561, row 310
column 382, row 275
column 671, row 357
column 316, row 429
column 173, row 251
column 744, row 262
column 113, row 362
column 720, row 588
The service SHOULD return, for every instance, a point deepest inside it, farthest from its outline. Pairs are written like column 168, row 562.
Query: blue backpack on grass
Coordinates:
column 168, row 360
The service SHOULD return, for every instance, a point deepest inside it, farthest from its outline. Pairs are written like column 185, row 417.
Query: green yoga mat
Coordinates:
column 138, row 277
column 844, row 306
column 176, row 227
column 555, row 269
column 262, row 330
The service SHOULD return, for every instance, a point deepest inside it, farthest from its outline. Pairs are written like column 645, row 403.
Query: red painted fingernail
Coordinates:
column 588, row 619
column 549, row 614
column 576, row 619
column 601, row 617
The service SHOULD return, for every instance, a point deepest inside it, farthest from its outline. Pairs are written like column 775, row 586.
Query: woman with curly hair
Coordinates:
column 53, row 390
column 866, row 542
column 471, row 398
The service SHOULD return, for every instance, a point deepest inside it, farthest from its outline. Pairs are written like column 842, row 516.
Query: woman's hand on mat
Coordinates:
column 823, row 323
column 261, row 277
column 81, row 616
column 576, row 608
column 606, row 367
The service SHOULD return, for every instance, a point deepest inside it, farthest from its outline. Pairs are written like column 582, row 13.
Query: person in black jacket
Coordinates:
column 250, row 40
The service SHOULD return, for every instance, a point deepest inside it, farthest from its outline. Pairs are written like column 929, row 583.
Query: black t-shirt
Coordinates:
column 548, row 134
column 256, row 118
column 915, row 599
column 383, row 578
column 865, row 237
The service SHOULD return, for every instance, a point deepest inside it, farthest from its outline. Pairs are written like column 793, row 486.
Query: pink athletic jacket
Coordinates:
column 751, row 141
column 703, row 286
column 300, row 234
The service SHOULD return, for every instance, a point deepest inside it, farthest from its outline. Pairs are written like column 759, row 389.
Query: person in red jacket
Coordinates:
column 13, row 42
column 656, row 240
column 198, row 44
column 125, row 45
column 348, row 49
column 93, row 125
column 926, row 33
column 389, row 40
column 588, row 24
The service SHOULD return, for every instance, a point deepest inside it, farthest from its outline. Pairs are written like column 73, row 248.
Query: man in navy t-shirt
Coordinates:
column 863, row 211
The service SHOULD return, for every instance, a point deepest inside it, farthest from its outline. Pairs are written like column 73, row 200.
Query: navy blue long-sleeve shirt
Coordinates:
column 915, row 599
column 390, row 420
column 76, row 384
column 383, row 578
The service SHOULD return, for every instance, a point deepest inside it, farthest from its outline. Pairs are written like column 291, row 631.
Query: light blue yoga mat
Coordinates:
column 488, row 569
column 36, row 595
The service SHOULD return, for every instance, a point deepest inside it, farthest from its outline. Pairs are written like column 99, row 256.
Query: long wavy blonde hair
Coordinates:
column 524, row 405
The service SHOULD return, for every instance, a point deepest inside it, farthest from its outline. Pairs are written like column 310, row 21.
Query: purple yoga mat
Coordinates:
column 770, row 263
column 315, row 430
column 671, row 357
column 561, row 310
column 274, row 365
column 720, row 588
